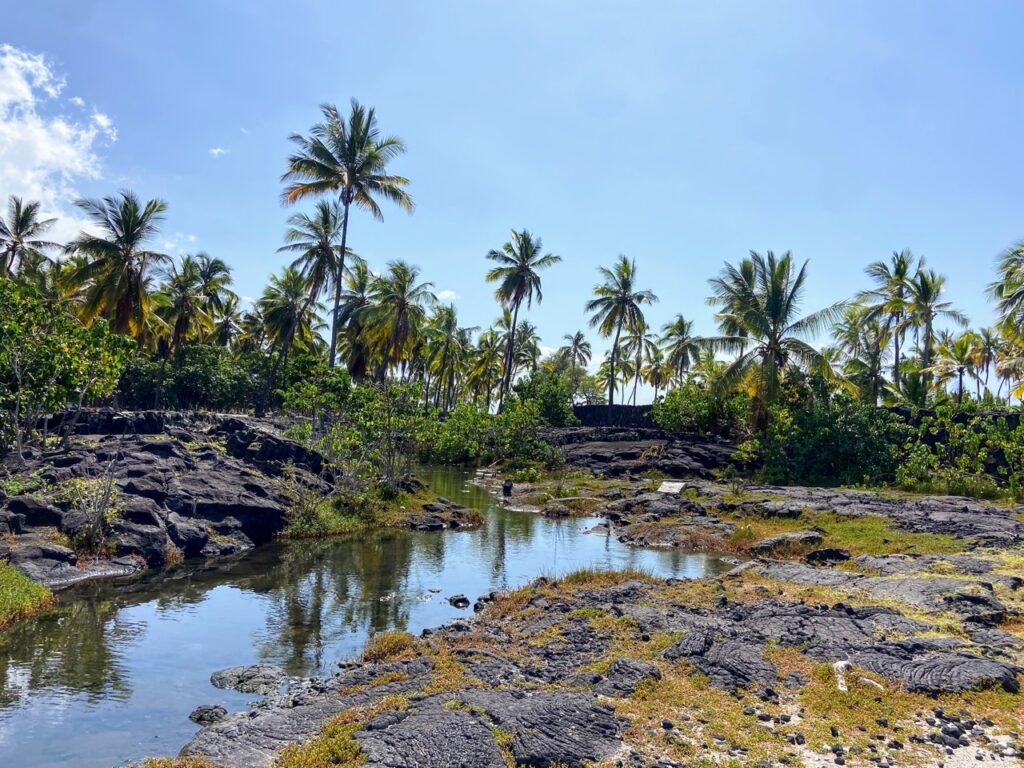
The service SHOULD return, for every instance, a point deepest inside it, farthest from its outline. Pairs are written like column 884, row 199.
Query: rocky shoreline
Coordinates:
column 859, row 628
column 163, row 487
column 807, row 654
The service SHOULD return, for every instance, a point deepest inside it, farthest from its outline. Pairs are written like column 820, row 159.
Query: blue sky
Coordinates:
column 679, row 134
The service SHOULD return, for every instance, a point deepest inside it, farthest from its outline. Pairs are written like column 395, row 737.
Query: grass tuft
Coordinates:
column 20, row 597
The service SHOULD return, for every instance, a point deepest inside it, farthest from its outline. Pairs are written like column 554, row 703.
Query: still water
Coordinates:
column 112, row 672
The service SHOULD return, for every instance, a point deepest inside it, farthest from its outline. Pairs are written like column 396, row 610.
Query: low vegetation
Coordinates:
column 20, row 597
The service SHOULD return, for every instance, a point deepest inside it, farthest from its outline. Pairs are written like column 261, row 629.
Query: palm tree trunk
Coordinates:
column 338, row 284
column 506, row 378
column 611, row 371
column 896, row 357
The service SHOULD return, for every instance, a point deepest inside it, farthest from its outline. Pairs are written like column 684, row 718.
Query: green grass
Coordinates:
column 20, row 597
column 336, row 745
column 866, row 535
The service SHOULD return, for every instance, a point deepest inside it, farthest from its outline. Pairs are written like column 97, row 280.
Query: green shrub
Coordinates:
column 693, row 407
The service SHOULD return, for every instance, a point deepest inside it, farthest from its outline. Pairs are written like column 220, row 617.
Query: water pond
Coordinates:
column 112, row 672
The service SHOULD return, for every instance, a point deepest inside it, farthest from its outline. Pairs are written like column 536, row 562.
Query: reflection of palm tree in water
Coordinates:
column 78, row 647
column 323, row 591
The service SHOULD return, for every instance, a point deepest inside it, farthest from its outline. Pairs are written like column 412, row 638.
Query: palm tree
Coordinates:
column 355, row 303
column 117, row 273
column 527, row 348
column 485, row 366
column 347, row 156
column 681, row 346
column 21, row 235
column 289, row 318
column 227, row 322
column 956, row 357
column 449, row 346
column 577, row 351
column 616, row 305
column 767, row 313
column 889, row 300
column 397, row 314
column 317, row 241
column 641, row 345
column 1008, row 289
column 252, row 331
column 518, row 263
column 214, row 277
column 862, row 339
column 658, row 372
column 927, row 306
column 986, row 354
column 183, row 303
column 728, row 290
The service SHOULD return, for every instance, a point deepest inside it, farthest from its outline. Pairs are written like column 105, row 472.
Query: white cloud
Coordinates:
column 218, row 152
column 45, row 153
column 546, row 350
column 447, row 295
column 179, row 244
column 244, row 130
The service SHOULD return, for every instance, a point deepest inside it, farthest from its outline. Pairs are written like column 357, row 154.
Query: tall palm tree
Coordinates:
column 577, row 350
column 682, row 348
column 767, row 313
column 616, row 305
column 927, row 306
column 398, row 312
column 517, row 274
column 317, row 241
column 117, row 273
column 21, row 233
column 349, row 156
column 889, row 300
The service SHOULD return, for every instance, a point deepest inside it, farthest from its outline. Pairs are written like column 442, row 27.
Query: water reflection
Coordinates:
column 111, row 673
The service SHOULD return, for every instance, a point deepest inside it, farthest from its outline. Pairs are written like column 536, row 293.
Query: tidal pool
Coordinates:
column 112, row 672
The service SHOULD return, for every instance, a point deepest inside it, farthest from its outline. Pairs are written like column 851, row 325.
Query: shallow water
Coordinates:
column 111, row 674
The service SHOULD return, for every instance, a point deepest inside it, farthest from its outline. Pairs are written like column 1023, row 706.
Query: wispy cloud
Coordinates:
column 447, row 295
column 179, row 244
column 44, row 151
column 216, row 152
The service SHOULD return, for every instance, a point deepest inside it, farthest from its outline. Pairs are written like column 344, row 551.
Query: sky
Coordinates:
column 680, row 134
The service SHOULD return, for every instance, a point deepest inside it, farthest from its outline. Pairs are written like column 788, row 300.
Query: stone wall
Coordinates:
column 616, row 416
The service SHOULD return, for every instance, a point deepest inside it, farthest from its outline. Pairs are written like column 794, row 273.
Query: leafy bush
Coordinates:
column 830, row 442
column 553, row 395
column 50, row 361
column 693, row 407
column 199, row 376
column 470, row 435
